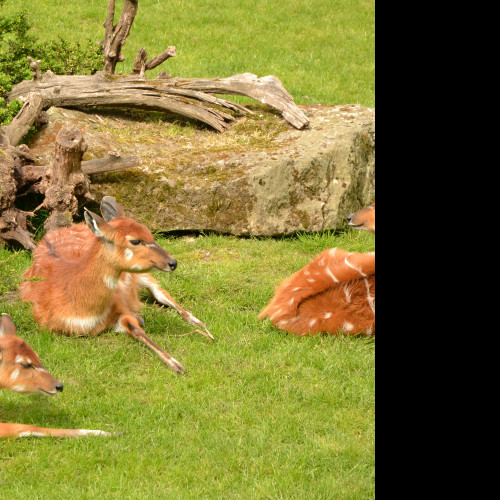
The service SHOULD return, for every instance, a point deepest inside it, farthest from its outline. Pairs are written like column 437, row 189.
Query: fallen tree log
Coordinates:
column 193, row 98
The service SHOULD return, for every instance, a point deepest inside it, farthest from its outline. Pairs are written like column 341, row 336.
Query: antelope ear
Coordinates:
column 7, row 326
column 96, row 224
column 110, row 209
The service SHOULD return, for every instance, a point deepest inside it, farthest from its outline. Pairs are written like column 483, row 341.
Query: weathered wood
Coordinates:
column 35, row 68
column 160, row 59
column 268, row 90
column 33, row 174
column 20, row 125
column 194, row 98
column 140, row 63
column 110, row 163
column 65, row 185
column 116, row 36
column 13, row 222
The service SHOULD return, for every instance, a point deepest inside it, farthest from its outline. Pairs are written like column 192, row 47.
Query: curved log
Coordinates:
column 193, row 98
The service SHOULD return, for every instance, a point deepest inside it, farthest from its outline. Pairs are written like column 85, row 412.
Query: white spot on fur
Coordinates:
column 312, row 323
column 14, row 375
column 328, row 315
column 348, row 264
column 85, row 432
column 371, row 300
column 347, row 292
column 277, row 313
column 334, row 278
column 111, row 283
column 347, row 327
column 138, row 268
column 129, row 255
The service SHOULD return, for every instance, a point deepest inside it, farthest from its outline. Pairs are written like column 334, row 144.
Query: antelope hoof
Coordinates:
column 207, row 334
column 176, row 366
column 140, row 319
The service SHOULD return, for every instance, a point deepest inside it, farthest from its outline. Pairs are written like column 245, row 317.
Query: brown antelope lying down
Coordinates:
column 336, row 291
column 90, row 275
column 22, row 371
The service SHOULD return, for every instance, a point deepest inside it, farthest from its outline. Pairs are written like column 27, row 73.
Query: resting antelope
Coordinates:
column 22, row 371
column 85, row 279
column 336, row 291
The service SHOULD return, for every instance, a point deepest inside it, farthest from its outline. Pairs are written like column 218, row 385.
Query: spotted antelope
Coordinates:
column 335, row 291
column 22, row 371
column 85, row 279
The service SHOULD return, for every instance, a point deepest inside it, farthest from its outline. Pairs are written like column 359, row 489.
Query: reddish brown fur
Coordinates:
column 364, row 219
column 22, row 371
column 85, row 279
column 334, row 292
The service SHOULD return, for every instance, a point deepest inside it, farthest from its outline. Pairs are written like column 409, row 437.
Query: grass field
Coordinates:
column 322, row 50
column 260, row 414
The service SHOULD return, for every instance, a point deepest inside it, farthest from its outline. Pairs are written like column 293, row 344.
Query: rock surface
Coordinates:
column 259, row 178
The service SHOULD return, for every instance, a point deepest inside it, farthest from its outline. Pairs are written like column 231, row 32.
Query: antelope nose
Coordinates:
column 173, row 265
column 59, row 387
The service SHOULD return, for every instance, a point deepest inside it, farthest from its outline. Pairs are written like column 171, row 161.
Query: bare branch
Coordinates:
column 167, row 54
column 140, row 63
column 116, row 36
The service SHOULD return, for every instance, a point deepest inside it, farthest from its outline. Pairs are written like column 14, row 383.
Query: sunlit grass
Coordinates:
column 260, row 414
column 322, row 50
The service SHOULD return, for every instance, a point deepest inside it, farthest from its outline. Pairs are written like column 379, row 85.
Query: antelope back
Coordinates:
column 364, row 219
column 20, row 367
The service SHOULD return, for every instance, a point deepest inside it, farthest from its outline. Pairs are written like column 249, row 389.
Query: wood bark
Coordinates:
column 116, row 36
column 65, row 185
column 194, row 98
column 13, row 222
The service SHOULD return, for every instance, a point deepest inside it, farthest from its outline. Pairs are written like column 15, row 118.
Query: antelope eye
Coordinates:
column 24, row 365
column 135, row 242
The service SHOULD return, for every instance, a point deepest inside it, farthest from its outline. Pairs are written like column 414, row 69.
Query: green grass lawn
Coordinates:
column 260, row 414
column 322, row 50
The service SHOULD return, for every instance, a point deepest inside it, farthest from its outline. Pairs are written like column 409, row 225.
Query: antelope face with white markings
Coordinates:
column 131, row 245
column 20, row 367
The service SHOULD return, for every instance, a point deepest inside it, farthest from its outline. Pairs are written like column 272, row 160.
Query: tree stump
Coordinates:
column 65, row 184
